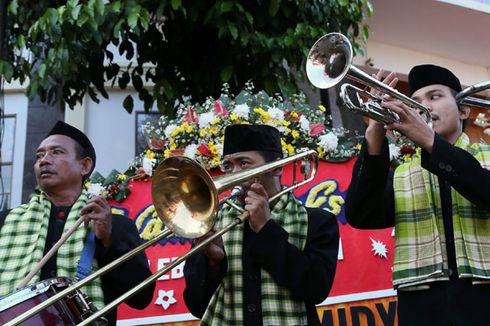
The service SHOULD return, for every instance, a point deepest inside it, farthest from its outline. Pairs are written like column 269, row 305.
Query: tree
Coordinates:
column 65, row 49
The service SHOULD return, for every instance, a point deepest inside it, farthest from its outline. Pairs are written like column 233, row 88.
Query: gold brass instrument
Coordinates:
column 464, row 97
column 330, row 60
column 185, row 197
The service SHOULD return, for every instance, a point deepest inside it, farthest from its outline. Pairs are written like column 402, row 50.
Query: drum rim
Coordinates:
column 30, row 291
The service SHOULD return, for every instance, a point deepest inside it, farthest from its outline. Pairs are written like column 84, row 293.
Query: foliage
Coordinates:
column 66, row 49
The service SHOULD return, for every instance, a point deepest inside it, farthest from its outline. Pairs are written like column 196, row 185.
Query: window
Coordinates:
column 6, row 160
column 141, row 119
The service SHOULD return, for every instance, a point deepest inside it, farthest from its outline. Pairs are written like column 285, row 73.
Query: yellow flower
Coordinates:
column 322, row 108
column 294, row 115
column 264, row 115
column 150, row 154
column 87, row 184
column 216, row 161
column 358, row 146
column 233, row 117
column 122, row 177
column 286, row 123
column 215, row 121
column 173, row 145
column 213, row 148
column 189, row 129
column 319, row 149
column 295, row 133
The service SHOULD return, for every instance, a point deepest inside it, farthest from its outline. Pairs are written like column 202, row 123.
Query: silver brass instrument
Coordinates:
column 464, row 97
column 330, row 60
column 186, row 200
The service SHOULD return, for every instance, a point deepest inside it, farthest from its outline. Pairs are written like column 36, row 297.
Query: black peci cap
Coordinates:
column 242, row 138
column 425, row 75
column 62, row 128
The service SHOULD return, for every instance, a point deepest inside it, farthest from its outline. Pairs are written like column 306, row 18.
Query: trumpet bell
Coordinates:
column 329, row 60
column 184, row 196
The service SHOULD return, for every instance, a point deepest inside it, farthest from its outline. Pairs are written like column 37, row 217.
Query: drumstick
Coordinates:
column 50, row 253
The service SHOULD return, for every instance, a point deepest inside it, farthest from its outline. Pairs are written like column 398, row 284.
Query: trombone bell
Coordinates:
column 184, row 197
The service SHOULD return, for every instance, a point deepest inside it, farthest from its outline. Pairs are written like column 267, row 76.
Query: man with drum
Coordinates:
column 438, row 202
column 64, row 160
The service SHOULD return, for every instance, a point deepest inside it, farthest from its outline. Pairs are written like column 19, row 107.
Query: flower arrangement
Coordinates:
column 197, row 130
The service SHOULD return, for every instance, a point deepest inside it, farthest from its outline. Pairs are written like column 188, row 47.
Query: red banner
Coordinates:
column 364, row 263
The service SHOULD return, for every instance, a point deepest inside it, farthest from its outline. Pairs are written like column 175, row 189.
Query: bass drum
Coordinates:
column 70, row 310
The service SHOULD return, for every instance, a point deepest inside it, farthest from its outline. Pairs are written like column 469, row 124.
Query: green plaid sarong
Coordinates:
column 278, row 305
column 420, row 243
column 22, row 241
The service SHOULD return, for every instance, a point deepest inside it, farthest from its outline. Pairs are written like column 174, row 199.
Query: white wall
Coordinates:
column 401, row 60
column 111, row 130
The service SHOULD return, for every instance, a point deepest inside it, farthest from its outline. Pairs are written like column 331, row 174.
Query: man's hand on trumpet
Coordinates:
column 375, row 131
column 412, row 125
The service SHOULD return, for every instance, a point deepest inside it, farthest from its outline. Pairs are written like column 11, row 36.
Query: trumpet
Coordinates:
column 330, row 60
column 464, row 97
column 185, row 197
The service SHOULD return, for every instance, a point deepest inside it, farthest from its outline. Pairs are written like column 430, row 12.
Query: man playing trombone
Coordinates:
column 64, row 160
column 274, row 267
column 438, row 202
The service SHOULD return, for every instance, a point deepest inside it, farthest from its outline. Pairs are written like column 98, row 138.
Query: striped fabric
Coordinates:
column 22, row 240
column 278, row 305
column 420, row 244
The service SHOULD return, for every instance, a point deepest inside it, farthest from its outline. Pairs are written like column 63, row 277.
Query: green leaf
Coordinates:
column 233, row 30
column 226, row 6
column 123, row 80
column 176, row 4
column 226, row 73
column 133, row 18
column 128, row 104
column 13, row 8
column 274, row 7
column 41, row 70
column 99, row 7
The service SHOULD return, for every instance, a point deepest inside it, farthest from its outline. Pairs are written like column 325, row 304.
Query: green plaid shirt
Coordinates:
column 420, row 244
column 22, row 241
column 278, row 305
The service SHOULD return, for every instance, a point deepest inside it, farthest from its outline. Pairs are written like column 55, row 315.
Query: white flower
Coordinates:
column 95, row 189
column 190, row 151
column 305, row 124
column 329, row 142
column 241, row 111
column 169, row 129
column 148, row 165
column 394, row 151
column 205, row 119
column 276, row 114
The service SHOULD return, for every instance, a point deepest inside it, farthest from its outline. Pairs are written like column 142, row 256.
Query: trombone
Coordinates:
column 464, row 97
column 330, row 60
column 186, row 200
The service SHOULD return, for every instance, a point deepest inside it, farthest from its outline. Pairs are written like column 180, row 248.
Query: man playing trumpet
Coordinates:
column 438, row 202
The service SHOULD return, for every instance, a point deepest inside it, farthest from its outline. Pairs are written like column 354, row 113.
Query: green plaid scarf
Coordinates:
column 420, row 244
column 22, row 240
column 278, row 305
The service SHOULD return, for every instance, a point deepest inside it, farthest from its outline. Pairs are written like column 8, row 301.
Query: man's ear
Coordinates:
column 277, row 172
column 86, row 165
column 464, row 112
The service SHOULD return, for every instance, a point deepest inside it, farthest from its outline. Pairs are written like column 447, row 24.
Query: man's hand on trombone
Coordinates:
column 257, row 205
